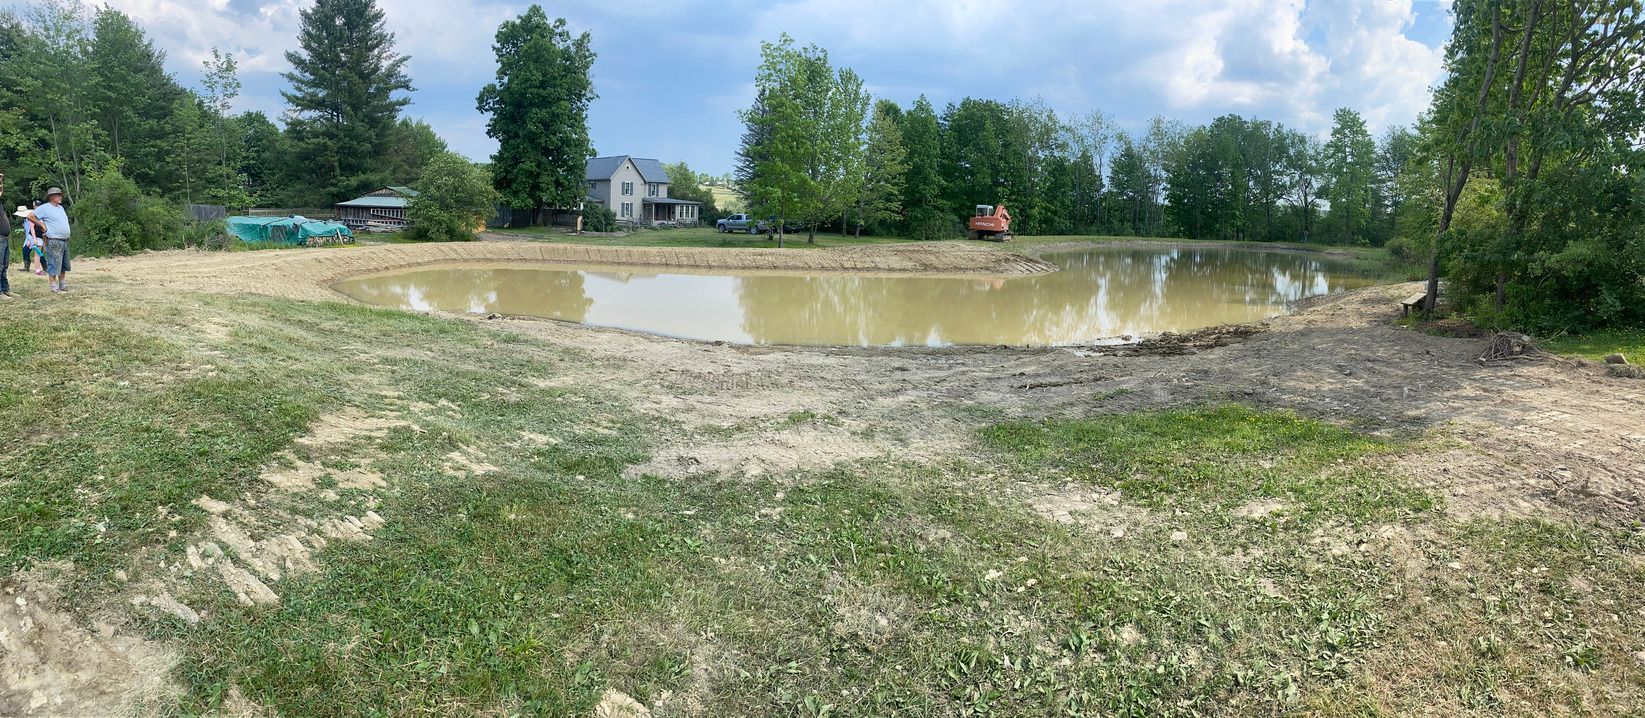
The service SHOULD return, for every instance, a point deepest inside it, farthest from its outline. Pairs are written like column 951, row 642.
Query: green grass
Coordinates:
column 726, row 199
column 1266, row 566
column 1597, row 345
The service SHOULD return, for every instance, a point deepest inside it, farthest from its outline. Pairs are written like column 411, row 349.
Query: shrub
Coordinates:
column 211, row 235
column 598, row 218
column 457, row 198
column 1404, row 250
column 112, row 216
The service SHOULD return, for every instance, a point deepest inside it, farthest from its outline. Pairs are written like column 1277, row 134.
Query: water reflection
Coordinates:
column 1098, row 294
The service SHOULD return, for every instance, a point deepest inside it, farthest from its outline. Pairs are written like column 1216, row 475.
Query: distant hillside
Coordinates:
column 727, row 199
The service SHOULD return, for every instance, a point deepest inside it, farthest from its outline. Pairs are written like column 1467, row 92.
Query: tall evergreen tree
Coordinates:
column 753, row 150
column 539, row 112
column 344, row 104
column 925, row 216
column 886, row 164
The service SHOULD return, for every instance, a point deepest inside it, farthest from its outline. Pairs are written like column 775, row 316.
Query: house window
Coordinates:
column 593, row 184
column 651, row 189
column 628, row 209
column 628, row 189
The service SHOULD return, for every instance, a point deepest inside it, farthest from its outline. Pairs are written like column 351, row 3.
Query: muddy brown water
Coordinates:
column 1098, row 296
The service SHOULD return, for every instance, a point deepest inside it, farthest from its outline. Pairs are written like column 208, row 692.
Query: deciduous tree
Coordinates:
column 539, row 112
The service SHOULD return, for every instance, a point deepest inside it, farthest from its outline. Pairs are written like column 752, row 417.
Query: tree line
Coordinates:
column 88, row 102
column 818, row 152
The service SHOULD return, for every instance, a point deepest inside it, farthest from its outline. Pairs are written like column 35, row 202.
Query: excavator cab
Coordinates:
column 992, row 223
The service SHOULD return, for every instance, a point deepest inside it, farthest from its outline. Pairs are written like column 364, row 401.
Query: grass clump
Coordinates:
column 1224, row 456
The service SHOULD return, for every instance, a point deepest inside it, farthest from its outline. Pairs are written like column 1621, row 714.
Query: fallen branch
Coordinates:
column 1508, row 346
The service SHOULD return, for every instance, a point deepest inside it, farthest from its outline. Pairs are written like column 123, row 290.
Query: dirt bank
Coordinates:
column 309, row 274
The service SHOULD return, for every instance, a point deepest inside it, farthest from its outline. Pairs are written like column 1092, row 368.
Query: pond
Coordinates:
column 1098, row 296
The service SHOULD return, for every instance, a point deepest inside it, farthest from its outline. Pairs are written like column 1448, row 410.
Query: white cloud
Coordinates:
column 689, row 63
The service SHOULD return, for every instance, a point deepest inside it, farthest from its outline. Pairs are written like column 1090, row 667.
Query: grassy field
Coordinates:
column 727, row 200
column 1597, row 345
column 1212, row 560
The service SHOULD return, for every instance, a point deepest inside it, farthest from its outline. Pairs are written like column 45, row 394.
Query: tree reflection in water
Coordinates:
column 1101, row 293
column 555, row 294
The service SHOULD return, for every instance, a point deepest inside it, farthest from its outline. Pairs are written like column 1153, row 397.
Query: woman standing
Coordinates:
column 33, row 243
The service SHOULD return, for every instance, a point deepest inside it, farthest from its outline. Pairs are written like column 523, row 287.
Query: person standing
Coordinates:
column 34, row 245
column 55, row 219
column 5, row 245
column 5, row 255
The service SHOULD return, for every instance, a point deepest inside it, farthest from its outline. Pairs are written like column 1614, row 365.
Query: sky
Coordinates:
column 671, row 75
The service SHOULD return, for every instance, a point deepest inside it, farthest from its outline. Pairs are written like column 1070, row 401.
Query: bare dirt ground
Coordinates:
column 1525, row 438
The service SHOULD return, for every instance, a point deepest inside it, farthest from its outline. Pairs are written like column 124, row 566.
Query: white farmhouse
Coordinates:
column 636, row 190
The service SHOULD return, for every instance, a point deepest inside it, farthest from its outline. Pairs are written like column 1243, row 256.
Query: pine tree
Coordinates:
column 539, row 112
column 923, row 184
column 885, row 165
column 344, row 80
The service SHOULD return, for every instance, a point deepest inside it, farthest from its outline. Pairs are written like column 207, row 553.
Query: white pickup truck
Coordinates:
column 738, row 223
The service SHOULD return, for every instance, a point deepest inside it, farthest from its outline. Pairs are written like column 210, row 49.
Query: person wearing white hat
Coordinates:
column 34, row 243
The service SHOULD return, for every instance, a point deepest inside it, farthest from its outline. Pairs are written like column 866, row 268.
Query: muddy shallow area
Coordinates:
column 1099, row 295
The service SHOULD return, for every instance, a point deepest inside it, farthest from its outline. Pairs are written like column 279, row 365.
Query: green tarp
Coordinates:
column 284, row 230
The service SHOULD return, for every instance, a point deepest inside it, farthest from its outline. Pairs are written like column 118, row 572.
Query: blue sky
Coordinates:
column 671, row 75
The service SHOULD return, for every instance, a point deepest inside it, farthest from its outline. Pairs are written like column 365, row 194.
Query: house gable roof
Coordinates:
column 603, row 168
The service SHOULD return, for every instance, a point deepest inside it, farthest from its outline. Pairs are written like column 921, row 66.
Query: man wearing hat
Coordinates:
column 56, row 221
column 5, row 246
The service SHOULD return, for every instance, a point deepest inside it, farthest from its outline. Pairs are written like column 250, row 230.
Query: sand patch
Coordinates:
column 51, row 664
column 348, row 425
column 1092, row 508
column 1260, row 508
column 468, row 461
column 298, row 476
column 767, row 453
column 617, row 704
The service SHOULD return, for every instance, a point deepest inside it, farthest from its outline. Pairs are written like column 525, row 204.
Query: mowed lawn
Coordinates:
column 1214, row 560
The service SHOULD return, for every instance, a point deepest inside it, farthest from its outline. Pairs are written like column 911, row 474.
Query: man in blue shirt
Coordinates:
column 56, row 224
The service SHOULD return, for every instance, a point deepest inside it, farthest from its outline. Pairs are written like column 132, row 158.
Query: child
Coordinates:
column 33, row 246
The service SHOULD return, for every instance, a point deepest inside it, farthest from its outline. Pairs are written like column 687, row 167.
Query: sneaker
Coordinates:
column 5, row 296
column 62, row 287
column 39, row 272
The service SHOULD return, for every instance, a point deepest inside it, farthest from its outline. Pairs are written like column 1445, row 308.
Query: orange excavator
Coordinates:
column 990, row 223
